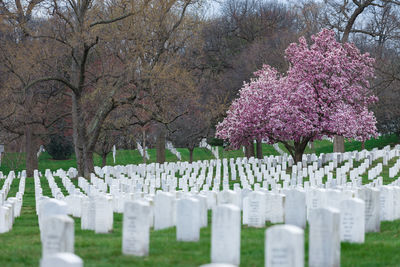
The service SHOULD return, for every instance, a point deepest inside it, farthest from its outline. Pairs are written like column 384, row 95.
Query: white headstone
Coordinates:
column 371, row 197
column 136, row 228
column 164, row 210
column 57, row 235
column 295, row 207
column 104, row 215
column 50, row 207
column 352, row 220
column 188, row 220
column 284, row 246
column 254, row 207
column 324, row 238
column 225, row 234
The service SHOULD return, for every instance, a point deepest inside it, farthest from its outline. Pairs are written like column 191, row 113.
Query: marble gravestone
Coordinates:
column 277, row 208
column 63, row 259
column 284, row 246
column 371, row 197
column 387, row 203
column 228, row 197
column 324, row 238
column 50, row 207
column 188, row 220
column 136, row 228
column 352, row 220
column 164, row 210
column 295, row 208
column 254, row 208
column 88, row 213
column 203, row 209
column 57, row 235
column 104, row 215
column 225, row 234
column 5, row 213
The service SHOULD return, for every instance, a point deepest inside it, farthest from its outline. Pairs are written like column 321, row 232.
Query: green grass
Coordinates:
column 22, row 246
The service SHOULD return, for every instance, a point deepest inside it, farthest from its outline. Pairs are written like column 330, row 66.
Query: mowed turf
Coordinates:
column 22, row 246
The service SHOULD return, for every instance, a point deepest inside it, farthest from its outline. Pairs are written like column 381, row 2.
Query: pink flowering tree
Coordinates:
column 325, row 92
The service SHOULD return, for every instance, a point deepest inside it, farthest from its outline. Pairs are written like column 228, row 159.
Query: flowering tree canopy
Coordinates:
column 325, row 92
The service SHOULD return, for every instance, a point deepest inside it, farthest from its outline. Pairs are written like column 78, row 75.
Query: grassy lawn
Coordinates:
column 22, row 246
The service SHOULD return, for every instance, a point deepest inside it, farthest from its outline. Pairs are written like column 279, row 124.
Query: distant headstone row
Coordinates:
column 10, row 207
column 172, row 149
column 214, row 150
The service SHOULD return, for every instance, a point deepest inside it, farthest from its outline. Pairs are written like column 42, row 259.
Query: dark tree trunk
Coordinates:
column 83, row 152
column 89, row 166
column 191, row 149
column 363, row 145
column 249, row 150
column 360, row 8
column 259, row 149
column 161, row 146
column 297, row 150
column 104, row 159
column 338, row 144
column 31, row 159
column 298, row 156
column 77, row 137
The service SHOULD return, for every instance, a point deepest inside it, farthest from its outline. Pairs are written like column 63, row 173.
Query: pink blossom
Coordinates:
column 325, row 92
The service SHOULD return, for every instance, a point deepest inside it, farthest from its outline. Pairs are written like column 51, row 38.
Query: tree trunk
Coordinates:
column 298, row 156
column 363, row 145
column 88, row 164
column 161, row 146
column 249, row 150
column 78, row 142
column 104, row 159
column 31, row 159
column 259, row 149
column 338, row 141
column 338, row 144
column 84, row 154
column 299, row 149
column 191, row 149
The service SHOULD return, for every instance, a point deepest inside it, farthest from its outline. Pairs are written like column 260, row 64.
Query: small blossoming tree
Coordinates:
column 325, row 92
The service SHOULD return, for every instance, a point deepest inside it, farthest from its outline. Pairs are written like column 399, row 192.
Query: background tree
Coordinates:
column 113, row 47
column 23, row 60
column 325, row 92
column 358, row 17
